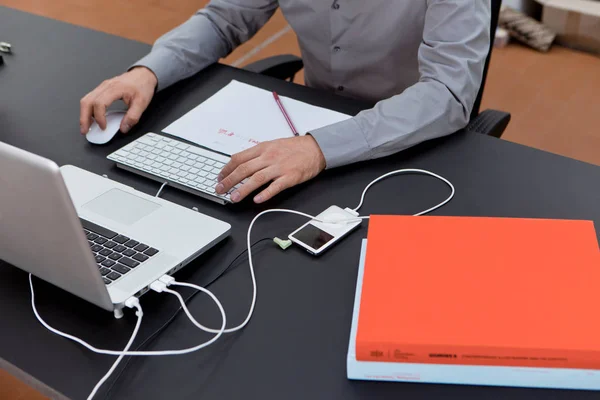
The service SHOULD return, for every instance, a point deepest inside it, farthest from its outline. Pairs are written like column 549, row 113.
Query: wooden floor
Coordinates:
column 553, row 98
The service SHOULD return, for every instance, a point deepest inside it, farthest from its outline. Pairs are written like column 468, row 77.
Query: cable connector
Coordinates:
column 134, row 302
column 284, row 244
column 158, row 286
column 167, row 280
column 351, row 211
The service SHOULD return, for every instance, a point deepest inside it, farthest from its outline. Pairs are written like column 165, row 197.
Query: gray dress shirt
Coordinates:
column 420, row 61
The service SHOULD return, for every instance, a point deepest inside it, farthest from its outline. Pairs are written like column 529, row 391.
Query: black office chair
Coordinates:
column 488, row 122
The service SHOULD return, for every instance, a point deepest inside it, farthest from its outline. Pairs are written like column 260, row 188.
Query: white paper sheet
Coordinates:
column 240, row 116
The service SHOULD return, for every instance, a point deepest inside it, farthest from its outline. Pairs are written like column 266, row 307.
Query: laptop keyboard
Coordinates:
column 187, row 167
column 115, row 254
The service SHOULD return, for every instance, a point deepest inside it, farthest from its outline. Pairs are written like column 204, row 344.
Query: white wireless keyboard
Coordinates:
column 182, row 165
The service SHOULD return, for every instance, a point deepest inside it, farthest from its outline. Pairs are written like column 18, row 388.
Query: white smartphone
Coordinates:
column 316, row 237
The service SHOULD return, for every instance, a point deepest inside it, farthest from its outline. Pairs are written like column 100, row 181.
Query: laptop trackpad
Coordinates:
column 122, row 207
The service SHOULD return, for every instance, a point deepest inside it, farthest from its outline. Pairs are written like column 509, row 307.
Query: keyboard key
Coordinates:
column 185, row 154
column 129, row 262
column 192, row 157
column 113, row 275
column 120, row 248
column 216, row 171
column 141, row 247
column 101, row 240
column 182, row 146
column 92, row 236
column 132, row 243
column 210, row 162
column 194, row 170
column 190, row 162
column 105, row 252
column 182, row 173
column 168, row 148
column 177, row 165
column 219, row 165
column 110, row 244
column 99, row 259
column 96, row 248
column 173, row 157
column 151, row 252
column 185, row 167
column 176, row 151
column 168, row 162
column 107, row 281
column 207, row 168
column 203, row 173
column 200, row 179
column 115, row 256
column 140, row 257
column 181, row 159
column 121, row 269
column 160, row 159
column 104, row 271
column 121, row 239
column 129, row 252
column 108, row 263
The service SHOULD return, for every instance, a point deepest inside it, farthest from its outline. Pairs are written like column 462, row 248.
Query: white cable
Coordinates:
column 139, row 314
column 418, row 171
column 187, row 311
column 161, row 188
column 129, row 353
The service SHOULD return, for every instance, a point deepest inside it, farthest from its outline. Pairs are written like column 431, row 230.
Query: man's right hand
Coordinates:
column 136, row 89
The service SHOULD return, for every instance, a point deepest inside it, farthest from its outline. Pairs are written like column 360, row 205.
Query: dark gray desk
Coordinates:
column 295, row 345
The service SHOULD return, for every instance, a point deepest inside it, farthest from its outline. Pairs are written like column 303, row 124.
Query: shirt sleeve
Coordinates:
column 456, row 40
column 210, row 34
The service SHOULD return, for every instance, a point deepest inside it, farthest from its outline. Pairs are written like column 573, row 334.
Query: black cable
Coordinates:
column 172, row 318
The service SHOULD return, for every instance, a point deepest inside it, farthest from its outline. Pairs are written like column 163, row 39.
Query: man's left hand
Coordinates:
column 283, row 162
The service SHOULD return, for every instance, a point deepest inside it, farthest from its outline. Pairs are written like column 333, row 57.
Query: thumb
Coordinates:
column 133, row 115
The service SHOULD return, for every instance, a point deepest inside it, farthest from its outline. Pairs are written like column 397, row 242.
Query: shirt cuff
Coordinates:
column 160, row 62
column 342, row 143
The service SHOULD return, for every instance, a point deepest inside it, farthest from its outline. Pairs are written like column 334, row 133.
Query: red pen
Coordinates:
column 285, row 114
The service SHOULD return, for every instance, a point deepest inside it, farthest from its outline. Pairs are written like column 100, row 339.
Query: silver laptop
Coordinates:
column 91, row 236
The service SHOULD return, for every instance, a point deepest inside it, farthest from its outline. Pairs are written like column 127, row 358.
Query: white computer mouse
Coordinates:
column 113, row 123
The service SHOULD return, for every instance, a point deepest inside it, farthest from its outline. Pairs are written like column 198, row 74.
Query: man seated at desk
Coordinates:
column 420, row 61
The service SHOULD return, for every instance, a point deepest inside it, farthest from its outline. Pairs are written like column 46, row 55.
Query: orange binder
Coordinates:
column 481, row 291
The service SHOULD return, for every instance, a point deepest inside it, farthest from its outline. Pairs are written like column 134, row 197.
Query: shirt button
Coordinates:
column 340, row 88
column 337, row 49
column 335, row 6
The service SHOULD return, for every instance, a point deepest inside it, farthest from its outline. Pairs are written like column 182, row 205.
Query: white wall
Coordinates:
column 521, row 5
